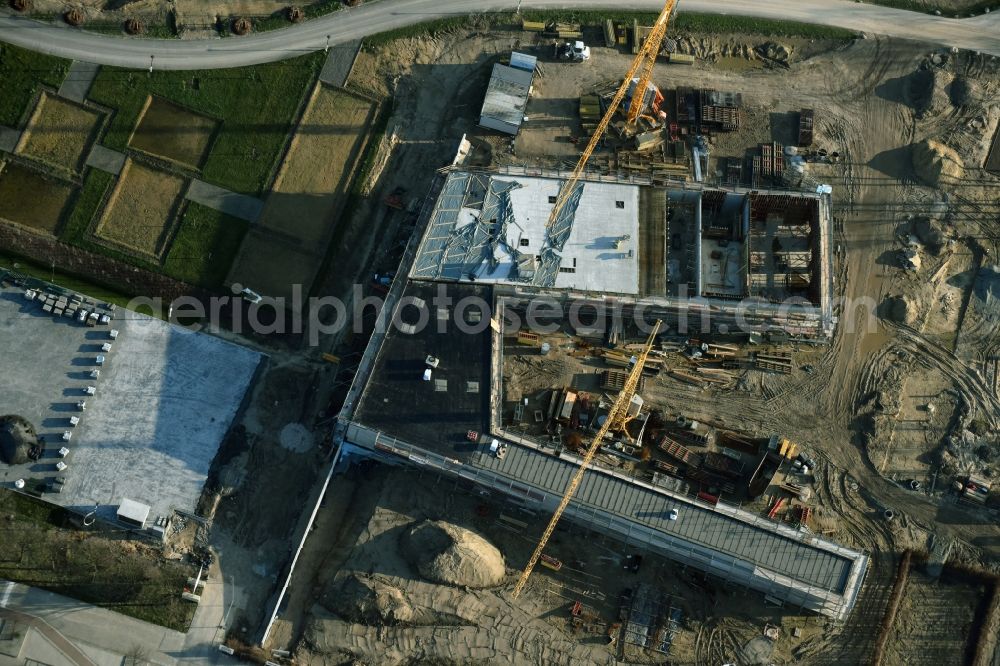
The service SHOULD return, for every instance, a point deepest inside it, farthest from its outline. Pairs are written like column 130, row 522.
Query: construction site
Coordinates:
column 685, row 351
column 706, row 307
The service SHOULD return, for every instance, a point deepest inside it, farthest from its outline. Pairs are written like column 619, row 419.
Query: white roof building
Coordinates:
column 507, row 96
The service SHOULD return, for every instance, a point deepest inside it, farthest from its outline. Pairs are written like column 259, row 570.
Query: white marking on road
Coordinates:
column 6, row 594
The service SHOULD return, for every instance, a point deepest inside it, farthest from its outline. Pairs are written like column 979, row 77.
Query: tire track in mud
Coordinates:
column 969, row 381
column 853, row 642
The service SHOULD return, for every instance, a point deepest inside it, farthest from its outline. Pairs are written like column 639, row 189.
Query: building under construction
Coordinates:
column 742, row 254
column 429, row 388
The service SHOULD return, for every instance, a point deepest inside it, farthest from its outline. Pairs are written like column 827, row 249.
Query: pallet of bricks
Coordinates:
column 805, row 128
column 770, row 164
column 774, row 361
column 590, row 113
column 680, row 453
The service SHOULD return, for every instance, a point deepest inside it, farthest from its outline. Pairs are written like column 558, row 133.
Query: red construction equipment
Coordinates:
column 777, row 507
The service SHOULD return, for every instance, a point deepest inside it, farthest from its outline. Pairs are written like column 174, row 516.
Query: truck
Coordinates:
column 574, row 51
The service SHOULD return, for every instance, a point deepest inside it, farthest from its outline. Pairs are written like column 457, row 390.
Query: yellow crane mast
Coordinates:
column 620, row 407
column 654, row 40
column 644, row 60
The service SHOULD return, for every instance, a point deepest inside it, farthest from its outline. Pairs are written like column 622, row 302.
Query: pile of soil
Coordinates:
column 935, row 162
column 17, row 436
column 930, row 234
column 927, row 91
column 450, row 555
column 368, row 601
column 963, row 91
column 902, row 309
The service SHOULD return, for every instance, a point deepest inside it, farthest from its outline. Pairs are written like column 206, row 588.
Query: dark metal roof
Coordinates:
column 758, row 542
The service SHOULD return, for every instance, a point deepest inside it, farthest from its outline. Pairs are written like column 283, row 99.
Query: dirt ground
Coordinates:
column 141, row 209
column 312, row 184
column 173, row 133
column 460, row 625
column 934, row 621
column 48, row 196
column 304, row 208
column 59, row 133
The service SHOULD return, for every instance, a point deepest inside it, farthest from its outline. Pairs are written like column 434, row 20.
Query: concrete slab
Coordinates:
column 105, row 159
column 339, row 63
column 9, row 138
column 230, row 203
column 164, row 400
column 78, row 80
column 90, row 634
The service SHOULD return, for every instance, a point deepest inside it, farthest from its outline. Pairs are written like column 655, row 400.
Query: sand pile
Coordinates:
column 928, row 231
column 926, row 91
column 963, row 91
column 902, row 309
column 448, row 554
column 368, row 601
column 935, row 162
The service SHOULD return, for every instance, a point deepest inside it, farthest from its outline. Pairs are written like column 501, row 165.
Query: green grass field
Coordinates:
column 204, row 246
column 62, row 279
column 100, row 569
column 257, row 107
column 21, row 74
column 200, row 254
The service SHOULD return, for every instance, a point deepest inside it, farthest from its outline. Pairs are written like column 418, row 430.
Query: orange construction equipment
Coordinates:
column 645, row 60
column 777, row 507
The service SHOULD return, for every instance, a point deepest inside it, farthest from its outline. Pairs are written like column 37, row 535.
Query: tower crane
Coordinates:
column 643, row 61
column 618, row 409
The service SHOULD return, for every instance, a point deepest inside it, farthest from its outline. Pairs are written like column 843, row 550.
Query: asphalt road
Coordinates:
column 981, row 33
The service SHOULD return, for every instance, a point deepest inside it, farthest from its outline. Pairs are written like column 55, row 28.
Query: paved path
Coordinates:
column 77, row 83
column 981, row 33
column 105, row 159
column 9, row 138
column 238, row 205
column 75, row 627
column 339, row 63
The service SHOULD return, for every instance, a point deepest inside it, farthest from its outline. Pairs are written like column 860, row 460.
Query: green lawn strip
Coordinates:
column 204, row 247
column 95, row 185
column 69, row 281
column 35, row 551
column 430, row 28
column 21, row 73
column 257, row 107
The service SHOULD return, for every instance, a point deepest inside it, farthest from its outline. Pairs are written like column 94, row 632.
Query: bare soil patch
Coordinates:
column 141, row 209
column 935, row 621
column 60, row 132
column 309, row 194
column 314, row 180
column 174, row 133
column 28, row 198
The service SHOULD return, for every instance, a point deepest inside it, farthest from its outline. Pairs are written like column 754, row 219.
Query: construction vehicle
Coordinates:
column 553, row 29
column 576, row 51
column 618, row 411
column 645, row 60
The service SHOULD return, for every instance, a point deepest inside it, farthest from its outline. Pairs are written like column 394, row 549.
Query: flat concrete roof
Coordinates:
column 164, row 400
column 454, row 401
column 493, row 229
